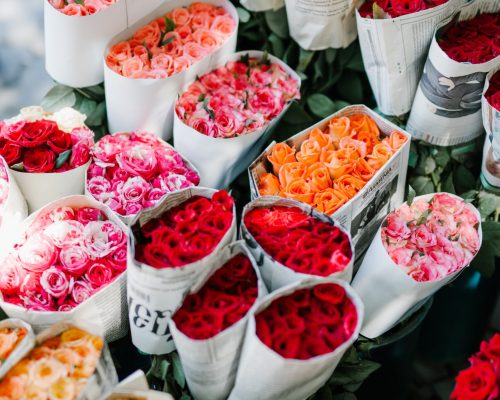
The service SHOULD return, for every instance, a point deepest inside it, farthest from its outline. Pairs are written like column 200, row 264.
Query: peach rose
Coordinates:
column 132, row 66
column 181, row 63
column 319, row 177
column 206, row 39
column 309, row 152
column 119, row 52
column 201, row 20
column 329, row 200
column 339, row 127
column 291, row 171
column 299, row 189
column 224, row 25
column 349, row 185
column 148, row 35
column 269, row 185
column 75, row 10
column 281, row 153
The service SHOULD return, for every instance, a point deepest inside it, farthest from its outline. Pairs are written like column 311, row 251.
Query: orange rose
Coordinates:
column 363, row 123
column 12, row 387
column 299, row 190
column 319, row 177
column 329, row 201
column 269, row 185
column 309, row 152
column 363, row 170
column 396, row 140
column 291, row 171
column 119, row 53
column 382, row 152
column 349, row 185
column 341, row 162
column 197, row 8
column 353, row 145
column 339, row 127
column 324, row 141
column 180, row 16
column 281, row 154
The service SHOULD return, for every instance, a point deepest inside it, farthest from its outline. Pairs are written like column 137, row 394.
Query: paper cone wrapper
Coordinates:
column 210, row 365
column 147, row 104
column 135, row 387
column 275, row 274
column 137, row 9
column 221, row 160
column 265, row 375
column 21, row 349
column 387, row 291
column 155, row 294
column 262, row 5
column 446, row 110
column 39, row 189
column 106, row 309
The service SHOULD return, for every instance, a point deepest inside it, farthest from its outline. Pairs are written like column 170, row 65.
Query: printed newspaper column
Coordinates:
column 262, row 5
column 447, row 107
column 394, row 51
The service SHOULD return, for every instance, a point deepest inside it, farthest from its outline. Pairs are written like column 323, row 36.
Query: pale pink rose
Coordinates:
column 59, row 214
column 37, row 254
column 67, row 307
column 85, row 215
column 447, row 204
column 65, row 233
column 94, row 6
column 132, row 66
column 181, row 63
column 442, row 261
column 99, row 187
column 135, row 189
column 401, row 256
column 152, row 197
column 74, row 260
column 55, row 282
column 467, row 216
column 164, row 62
column 118, row 259
column 423, row 237
column 210, row 82
column 207, row 39
column 288, row 86
column 138, row 161
column 99, row 274
column 224, row 25
column 11, row 278
column 177, row 182
column 425, row 272
column 397, row 228
column 101, row 238
column 75, row 10
column 469, row 237
column 81, row 291
column 229, row 121
column 260, row 78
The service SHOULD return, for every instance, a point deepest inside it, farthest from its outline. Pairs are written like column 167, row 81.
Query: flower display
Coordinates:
column 238, row 98
column 36, row 141
column 81, row 7
column 132, row 171
column 330, row 167
column 67, row 254
column 10, row 338
column 431, row 239
column 299, row 241
column 308, row 322
column 493, row 93
column 222, row 301
column 58, row 368
column 170, row 44
column 185, row 233
column 396, row 8
column 463, row 42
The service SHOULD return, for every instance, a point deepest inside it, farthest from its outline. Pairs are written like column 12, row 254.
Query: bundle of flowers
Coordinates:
column 132, row 171
column 81, row 7
column 171, row 43
column 492, row 95
column 395, row 8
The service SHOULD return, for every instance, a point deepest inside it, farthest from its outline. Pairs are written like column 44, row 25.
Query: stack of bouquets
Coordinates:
column 419, row 248
column 295, row 339
column 68, row 263
column 291, row 241
column 447, row 107
column 148, row 64
column 394, row 36
column 47, row 153
column 16, row 337
column 65, row 362
column 133, row 171
column 223, row 118
column 208, row 329
column 173, row 248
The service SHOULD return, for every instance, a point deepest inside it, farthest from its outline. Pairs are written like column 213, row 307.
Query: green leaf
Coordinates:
column 87, row 107
column 488, row 204
column 97, row 91
column 422, row 185
column 98, row 116
column 297, row 115
column 277, row 45
column 442, row 157
column 185, row 396
column 469, row 195
column 208, row 110
column 330, row 55
column 81, row 2
column 164, row 367
column 291, row 55
column 166, row 41
column 321, row 105
column 447, row 184
column 411, row 195
column 243, row 14
column 463, row 179
column 345, row 396
column 484, row 261
column 178, row 371
column 305, row 58
column 62, row 158
column 350, row 87
column 169, row 25
column 356, row 63
column 277, row 22
column 18, row 167
column 423, row 217
column 379, row 13
column 324, row 393
column 58, row 97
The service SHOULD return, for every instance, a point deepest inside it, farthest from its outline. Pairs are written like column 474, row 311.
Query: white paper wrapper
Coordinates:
column 221, row 160
column 361, row 215
column 39, row 189
column 491, row 116
column 210, row 365
column 265, row 375
column 21, row 349
column 155, row 294
column 387, row 291
column 447, row 107
column 262, row 5
column 137, row 9
column 147, row 104
column 394, row 52
column 275, row 274
column 106, row 310
column 135, row 387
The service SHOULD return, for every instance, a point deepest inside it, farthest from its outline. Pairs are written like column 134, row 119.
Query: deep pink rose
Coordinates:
column 118, row 259
column 11, row 278
column 138, row 161
column 99, row 274
column 85, row 215
column 74, row 260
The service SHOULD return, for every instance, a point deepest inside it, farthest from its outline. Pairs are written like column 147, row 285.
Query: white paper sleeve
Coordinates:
column 147, row 104
column 21, row 349
column 106, row 310
column 221, row 160
column 262, row 5
column 210, row 365
column 265, row 375
column 155, row 294
column 394, row 52
column 135, row 387
column 447, row 107
column 387, row 291
column 275, row 274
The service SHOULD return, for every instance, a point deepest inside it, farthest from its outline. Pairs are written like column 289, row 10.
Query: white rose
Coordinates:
column 32, row 113
column 68, row 119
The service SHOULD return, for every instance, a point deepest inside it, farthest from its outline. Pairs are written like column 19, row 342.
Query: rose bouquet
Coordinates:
column 69, row 262
column 132, row 171
column 447, row 106
column 148, row 64
column 174, row 247
column 481, row 380
column 222, row 119
column 81, row 8
column 291, row 241
column 420, row 247
column 208, row 329
column 395, row 8
column 16, row 337
column 296, row 338
column 47, row 153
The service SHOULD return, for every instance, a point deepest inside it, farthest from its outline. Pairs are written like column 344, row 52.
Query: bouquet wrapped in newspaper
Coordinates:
column 262, row 5
column 65, row 362
column 296, row 338
column 447, row 107
column 68, row 263
column 223, row 118
column 174, row 247
column 419, row 248
column 16, row 337
column 291, row 241
column 208, row 329
column 352, row 165
column 47, row 153
column 148, row 64
column 133, row 171
column 490, row 103
column 394, row 36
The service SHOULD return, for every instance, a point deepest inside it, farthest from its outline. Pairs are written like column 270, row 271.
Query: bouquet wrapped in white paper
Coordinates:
column 17, row 338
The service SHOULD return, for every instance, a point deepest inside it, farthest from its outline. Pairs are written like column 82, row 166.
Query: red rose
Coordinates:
column 10, row 152
column 403, row 7
column 491, row 349
column 37, row 133
column 39, row 159
column 59, row 141
column 478, row 382
column 13, row 132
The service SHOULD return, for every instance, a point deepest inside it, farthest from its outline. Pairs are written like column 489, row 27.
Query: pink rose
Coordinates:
column 401, row 255
column 65, row 233
column 229, row 121
column 211, row 82
column 85, row 215
column 118, row 259
column 101, row 238
column 95, row 170
column 469, row 237
column 447, row 204
column 57, row 3
column 67, row 306
column 152, row 197
column 99, row 274
column 82, row 135
column 81, row 291
column 425, row 272
column 135, row 189
column 132, row 208
column 39, row 300
column 423, row 237
column 442, row 262
column 99, row 187
column 75, row 10
column 163, row 62
column 175, row 182
column 132, row 66
column 11, row 278
column 74, row 260
column 55, row 282
column 267, row 101
column 37, row 254
column 138, row 161
column 94, row 6
column 200, row 121
column 80, row 154
column 467, row 216
column 396, row 227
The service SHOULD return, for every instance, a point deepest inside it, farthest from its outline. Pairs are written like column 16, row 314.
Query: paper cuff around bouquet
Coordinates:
column 221, row 160
column 148, row 104
column 210, row 365
column 155, row 294
column 275, row 274
column 387, row 291
column 446, row 110
column 265, row 375
column 135, row 387
column 106, row 309
column 22, row 348
column 262, row 5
